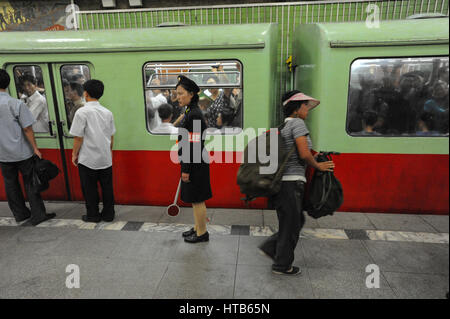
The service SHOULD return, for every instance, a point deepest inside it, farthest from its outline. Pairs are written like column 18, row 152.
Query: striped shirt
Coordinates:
column 295, row 167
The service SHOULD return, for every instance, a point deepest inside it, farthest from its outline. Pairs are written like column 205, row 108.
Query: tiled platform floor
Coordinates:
column 158, row 264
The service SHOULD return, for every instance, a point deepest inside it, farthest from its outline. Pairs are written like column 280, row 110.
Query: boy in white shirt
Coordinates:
column 166, row 127
column 36, row 103
column 94, row 129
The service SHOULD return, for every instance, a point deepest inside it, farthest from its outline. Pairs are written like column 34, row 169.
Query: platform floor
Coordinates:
column 142, row 255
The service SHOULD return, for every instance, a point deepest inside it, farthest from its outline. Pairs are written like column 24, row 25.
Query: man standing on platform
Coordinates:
column 93, row 129
column 17, row 147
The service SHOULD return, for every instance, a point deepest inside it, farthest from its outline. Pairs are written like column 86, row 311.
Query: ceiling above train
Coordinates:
column 135, row 4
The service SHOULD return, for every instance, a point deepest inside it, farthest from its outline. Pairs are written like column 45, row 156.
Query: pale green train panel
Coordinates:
column 118, row 58
column 288, row 15
column 324, row 54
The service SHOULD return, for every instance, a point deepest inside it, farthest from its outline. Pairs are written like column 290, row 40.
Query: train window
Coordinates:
column 220, row 83
column 73, row 77
column 30, row 89
column 399, row 97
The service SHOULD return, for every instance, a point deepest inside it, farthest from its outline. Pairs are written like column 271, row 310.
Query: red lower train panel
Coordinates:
column 387, row 183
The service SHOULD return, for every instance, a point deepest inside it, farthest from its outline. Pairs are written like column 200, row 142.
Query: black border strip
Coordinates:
column 60, row 131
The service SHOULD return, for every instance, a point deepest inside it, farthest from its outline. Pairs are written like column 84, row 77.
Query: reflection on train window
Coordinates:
column 73, row 77
column 30, row 89
column 220, row 94
column 399, row 97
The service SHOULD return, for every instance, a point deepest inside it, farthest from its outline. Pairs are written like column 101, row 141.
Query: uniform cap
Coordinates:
column 188, row 84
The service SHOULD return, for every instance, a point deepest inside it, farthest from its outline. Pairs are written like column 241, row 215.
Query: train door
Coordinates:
column 48, row 90
column 68, row 81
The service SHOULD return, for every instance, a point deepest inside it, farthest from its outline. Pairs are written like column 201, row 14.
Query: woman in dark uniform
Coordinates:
column 195, row 186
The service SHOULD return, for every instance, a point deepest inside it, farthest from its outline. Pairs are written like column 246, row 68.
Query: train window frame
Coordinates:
column 210, row 131
column 37, row 134
column 355, row 134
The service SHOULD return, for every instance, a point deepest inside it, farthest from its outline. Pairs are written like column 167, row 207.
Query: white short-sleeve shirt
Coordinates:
column 38, row 107
column 95, row 124
column 155, row 102
column 166, row 128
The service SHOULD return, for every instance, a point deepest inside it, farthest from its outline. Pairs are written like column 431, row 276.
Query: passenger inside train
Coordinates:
column 154, row 99
column 75, row 95
column 165, row 112
column 369, row 121
column 73, row 77
column 426, row 125
column 403, row 94
column 220, row 98
column 35, row 101
column 220, row 107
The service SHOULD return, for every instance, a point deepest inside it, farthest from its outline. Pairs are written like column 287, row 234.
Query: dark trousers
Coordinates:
column 281, row 245
column 14, row 194
column 89, row 179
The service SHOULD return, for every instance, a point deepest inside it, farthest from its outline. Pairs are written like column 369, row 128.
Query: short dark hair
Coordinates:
column 428, row 119
column 28, row 78
column 370, row 118
column 76, row 77
column 4, row 79
column 189, row 86
column 94, row 88
column 292, row 106
column 74, row 86
column 165, row 111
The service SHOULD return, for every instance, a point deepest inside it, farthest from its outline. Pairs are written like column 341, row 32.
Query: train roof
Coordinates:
column 150, row 39
column 395, row 32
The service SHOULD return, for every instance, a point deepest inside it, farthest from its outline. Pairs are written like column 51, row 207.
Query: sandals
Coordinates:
column 291, row 272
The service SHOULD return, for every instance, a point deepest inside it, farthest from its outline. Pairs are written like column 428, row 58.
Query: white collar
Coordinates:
column 92, row 103
column 34, row 96
column 161, row 97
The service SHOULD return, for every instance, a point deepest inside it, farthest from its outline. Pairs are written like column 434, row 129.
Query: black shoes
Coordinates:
column 197, row 239
column 34, row 222
column 102, row 217
column 19, row 220
column 291, row 272
column 87, row 219
column 107, row 219
column 190, row 232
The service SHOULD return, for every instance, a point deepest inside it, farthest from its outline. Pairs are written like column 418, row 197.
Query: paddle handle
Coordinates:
column 178, row 193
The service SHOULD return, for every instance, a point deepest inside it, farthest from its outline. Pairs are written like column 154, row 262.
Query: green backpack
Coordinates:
column 251, row 181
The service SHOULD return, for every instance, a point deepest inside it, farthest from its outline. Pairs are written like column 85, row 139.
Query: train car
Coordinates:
column 384, row 106
column 137, row 68
column 398, row 165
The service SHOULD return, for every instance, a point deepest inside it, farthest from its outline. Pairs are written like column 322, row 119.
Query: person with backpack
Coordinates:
column 288, row 201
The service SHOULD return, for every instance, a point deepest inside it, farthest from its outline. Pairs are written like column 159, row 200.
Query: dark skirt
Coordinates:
column 199, row 188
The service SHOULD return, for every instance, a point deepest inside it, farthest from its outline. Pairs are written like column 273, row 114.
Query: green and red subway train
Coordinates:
column 382, row 93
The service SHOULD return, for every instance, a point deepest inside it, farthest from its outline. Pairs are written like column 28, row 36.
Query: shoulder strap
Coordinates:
column 326, row 179
column 280, row 171
column 280, row 127
column 286, row 159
